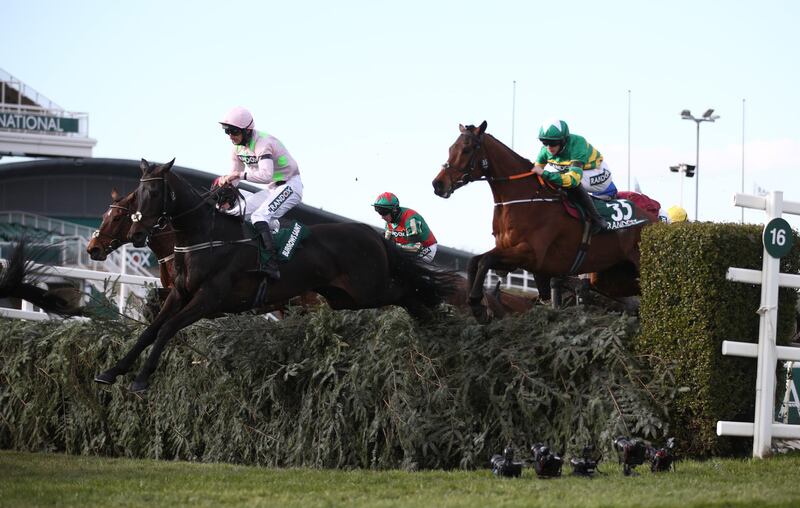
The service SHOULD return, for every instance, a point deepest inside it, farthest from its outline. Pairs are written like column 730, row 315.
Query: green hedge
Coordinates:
column 688, row 308
column 369, row 389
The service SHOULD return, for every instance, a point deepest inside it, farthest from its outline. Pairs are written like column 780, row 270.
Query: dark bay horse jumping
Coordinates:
column 350, row 264
column 113, row 233
column 532, row 230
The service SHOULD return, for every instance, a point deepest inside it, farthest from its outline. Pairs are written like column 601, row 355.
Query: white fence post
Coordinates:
column 764, row 428
column 123, row 262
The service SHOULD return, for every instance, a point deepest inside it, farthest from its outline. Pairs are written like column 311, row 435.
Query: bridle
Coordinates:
column 465, row 173
column 169, row 199
column 166, row 217
column 114, row 242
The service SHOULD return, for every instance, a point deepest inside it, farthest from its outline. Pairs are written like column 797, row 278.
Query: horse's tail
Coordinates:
column 18, row 281
column 430, row 286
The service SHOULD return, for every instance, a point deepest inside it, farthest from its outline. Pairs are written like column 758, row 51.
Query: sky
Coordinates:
column 368, row 95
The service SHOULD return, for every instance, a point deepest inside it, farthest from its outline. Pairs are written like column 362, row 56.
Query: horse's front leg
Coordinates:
column 472, row 272
column 479, row 267
column 171, row 305
column 206, row 302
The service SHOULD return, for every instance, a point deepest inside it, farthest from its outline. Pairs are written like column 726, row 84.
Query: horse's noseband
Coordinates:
column 469, row 167
column 169, row 196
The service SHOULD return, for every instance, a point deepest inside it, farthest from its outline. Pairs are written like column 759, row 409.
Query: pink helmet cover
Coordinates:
column 239, row 117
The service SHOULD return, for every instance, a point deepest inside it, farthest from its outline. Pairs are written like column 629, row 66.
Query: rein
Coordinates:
column 170, row 196
column 466, row 176
column 466, row 172
column 165, row 217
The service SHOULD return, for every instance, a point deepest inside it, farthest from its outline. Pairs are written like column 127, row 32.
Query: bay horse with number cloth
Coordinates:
column 531, row 227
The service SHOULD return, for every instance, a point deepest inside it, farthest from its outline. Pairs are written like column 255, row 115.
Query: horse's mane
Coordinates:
column 520, row 158
column 209, row 199
column 517, row 156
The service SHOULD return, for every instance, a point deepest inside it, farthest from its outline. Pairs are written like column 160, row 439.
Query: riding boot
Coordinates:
column 265, row 235
column 598, row 223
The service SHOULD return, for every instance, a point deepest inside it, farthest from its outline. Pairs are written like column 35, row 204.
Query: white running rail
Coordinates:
column 82, row 275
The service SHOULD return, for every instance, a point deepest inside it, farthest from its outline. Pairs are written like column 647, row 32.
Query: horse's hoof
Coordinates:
column 105, row 378
column 139, row 387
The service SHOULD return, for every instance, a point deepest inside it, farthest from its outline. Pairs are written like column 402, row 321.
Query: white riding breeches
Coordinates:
column 598, row 182
column 427, row 253
column 269, row 205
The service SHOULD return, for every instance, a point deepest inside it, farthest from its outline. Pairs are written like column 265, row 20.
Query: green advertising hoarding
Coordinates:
column 37, row 123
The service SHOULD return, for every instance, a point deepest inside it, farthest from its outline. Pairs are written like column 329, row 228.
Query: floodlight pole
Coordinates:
column 708, row 116
column 697, row 171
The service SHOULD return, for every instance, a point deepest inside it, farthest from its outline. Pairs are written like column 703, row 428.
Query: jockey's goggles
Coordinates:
column 551, row 142
column 230, row 130
column 382, row 210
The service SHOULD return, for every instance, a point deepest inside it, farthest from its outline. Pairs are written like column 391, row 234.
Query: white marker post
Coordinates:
column 778, row 239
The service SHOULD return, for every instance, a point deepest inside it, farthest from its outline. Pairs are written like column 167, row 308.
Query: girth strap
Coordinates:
column 208, row 245
column 586, row 240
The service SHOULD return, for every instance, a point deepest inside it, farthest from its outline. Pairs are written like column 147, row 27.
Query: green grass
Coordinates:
column 52, row 479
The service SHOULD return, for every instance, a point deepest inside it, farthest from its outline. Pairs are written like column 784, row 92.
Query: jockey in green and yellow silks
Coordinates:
column 405, row 227
column 569, row 161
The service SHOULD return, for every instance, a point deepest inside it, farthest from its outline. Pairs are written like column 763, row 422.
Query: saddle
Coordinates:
column 287, row 241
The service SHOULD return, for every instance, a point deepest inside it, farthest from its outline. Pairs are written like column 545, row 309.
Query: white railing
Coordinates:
column 82, row 275
column 776, row 238
column 17, row 84
column 14, row 87
column 53, row 226
column 87, row 276
column 519, row 279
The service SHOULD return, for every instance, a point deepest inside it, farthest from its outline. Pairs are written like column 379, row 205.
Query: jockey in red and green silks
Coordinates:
column 405, row 227
column 569, row 161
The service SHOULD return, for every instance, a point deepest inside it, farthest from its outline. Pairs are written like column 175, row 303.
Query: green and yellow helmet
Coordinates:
column 554, row 130
column 386, row 203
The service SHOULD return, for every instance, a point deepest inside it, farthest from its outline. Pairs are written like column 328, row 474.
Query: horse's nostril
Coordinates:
column 96, row 254
column 138, row 239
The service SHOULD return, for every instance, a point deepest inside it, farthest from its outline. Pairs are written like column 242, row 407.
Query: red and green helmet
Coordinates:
column 386, row 203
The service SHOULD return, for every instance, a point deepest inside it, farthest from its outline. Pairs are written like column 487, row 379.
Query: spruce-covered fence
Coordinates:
column 368, row 389
column 777, row 239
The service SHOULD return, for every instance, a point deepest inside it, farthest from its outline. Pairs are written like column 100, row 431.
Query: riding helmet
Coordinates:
column 386, row 203
column 554, row 130
column 239, row 117
column 676, row 214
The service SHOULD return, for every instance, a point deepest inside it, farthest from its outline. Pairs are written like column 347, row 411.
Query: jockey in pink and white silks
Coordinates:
column 261, row 158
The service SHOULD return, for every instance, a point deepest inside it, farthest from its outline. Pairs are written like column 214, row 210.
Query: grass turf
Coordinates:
column 28, row 479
